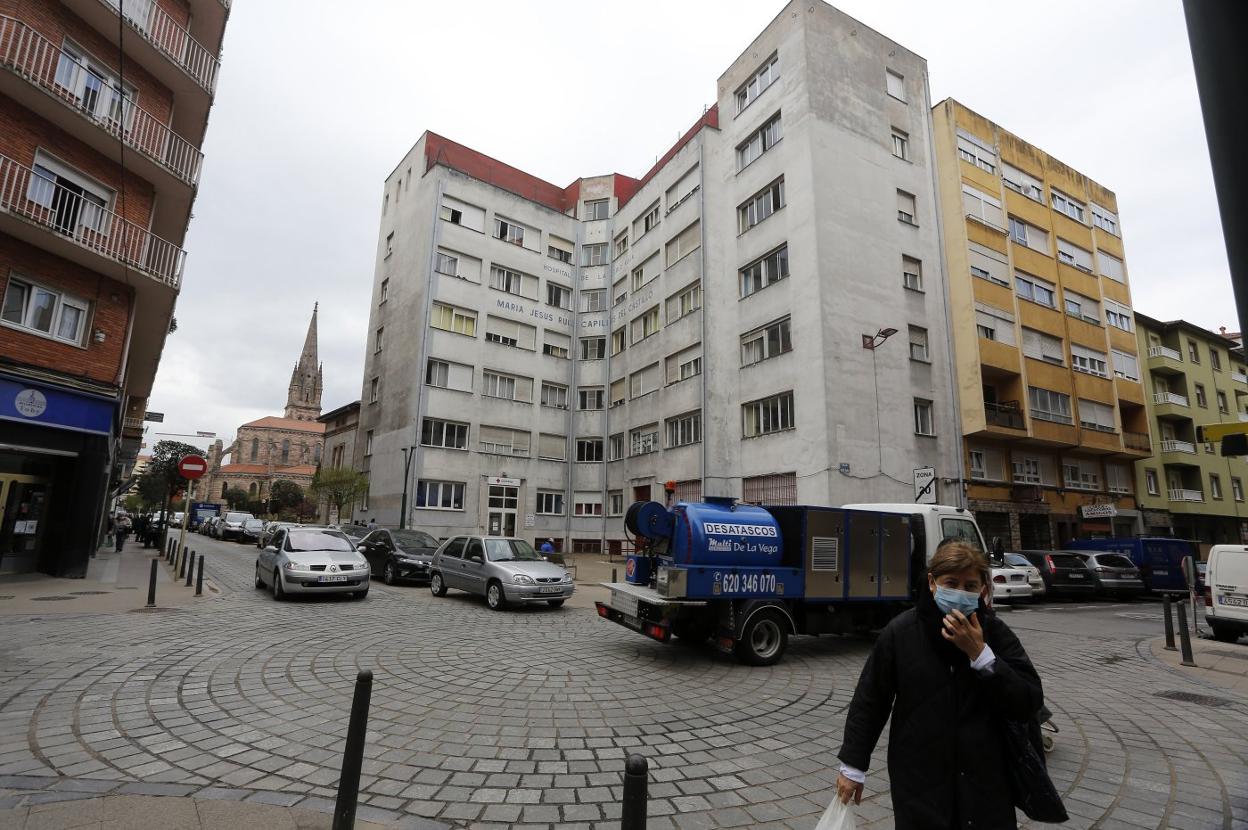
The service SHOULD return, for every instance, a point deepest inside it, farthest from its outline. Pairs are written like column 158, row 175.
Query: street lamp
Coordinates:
column 871, row 342
column 408, row 454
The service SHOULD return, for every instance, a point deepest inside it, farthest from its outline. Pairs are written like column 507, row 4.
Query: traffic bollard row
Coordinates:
column 190, row 570
column 199, row 580
column 353, row 753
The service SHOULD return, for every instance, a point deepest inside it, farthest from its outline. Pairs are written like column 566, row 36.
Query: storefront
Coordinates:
column 55, row 450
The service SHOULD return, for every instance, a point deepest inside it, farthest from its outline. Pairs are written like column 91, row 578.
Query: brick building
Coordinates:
column 103, row 108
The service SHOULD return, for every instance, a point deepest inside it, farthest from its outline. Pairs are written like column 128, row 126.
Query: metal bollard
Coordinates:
column 1165, row 608
column 633, row 813
column 180, row 561
column 614, row 576
column 1185, row 639
column 151, row 587
column 168, row 552
column 199, row 580
column 190, row 569
column 353, row 753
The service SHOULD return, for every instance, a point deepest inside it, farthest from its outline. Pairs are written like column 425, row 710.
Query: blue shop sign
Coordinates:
column 46, row 405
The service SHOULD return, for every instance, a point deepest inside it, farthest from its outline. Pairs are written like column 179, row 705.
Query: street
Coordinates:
column 524, row 718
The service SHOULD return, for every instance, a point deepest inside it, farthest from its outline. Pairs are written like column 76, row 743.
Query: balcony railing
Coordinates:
column 163, row 32
column 1239, row 377
column 43, row 63
column 1164, row 351
column 1173, row 445
column 132, row 424
column 85, row 219
column 1186, row 495
column 1007, row 414
column 1169, row 397
column 1137, row 441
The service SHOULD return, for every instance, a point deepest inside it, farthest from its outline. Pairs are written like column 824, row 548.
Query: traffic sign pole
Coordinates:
column 190, row 467
column 186, row 515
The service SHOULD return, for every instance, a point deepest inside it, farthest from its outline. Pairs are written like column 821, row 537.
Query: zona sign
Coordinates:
column 192, row 466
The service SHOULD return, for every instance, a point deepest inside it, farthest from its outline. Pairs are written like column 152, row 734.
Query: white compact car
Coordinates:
column 1009, row 584
column 299, row 560
column 1226, row 592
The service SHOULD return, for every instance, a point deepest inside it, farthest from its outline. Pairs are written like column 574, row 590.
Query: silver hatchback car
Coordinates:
column 299, row 560
column 501, row 569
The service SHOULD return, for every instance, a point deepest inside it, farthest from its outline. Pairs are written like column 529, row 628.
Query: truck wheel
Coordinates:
column 764, row 640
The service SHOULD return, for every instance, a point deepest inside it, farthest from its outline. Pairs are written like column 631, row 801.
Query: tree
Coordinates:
column 161, row 480
column 236, row 497
column 339, row 487
column 133, row 503
column 286, row 494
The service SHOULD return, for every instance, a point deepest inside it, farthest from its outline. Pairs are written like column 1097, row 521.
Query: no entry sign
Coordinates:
column 192, row 466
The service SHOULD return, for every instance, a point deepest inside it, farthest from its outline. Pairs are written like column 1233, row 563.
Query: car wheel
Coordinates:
column 360, row 594
column 1223, row 634
column 259, row 581
column 494, row 596
column 764, row 640
column 554, row 603
column 436, row 586
column 279, row 593
column 387, row 573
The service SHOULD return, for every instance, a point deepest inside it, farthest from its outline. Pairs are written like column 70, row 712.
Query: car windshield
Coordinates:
column 962, row 530
column 307, row 540
column 414, row 539
column 510, row 550
column 1017, row 560
column 253, row 523
column 237, row 517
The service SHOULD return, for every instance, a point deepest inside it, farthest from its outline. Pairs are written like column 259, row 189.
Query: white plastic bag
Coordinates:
column 838, row 816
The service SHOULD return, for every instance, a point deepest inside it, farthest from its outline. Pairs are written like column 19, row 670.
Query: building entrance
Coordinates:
column 23, row 511
column 503, row 505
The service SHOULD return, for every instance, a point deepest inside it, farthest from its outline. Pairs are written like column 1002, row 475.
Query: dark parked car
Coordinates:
column 252, row 528
column 399, row 554
column 1115, row 574
column 1065, row 574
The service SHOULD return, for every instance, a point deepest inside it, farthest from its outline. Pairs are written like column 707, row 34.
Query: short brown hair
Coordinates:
column 952, row 557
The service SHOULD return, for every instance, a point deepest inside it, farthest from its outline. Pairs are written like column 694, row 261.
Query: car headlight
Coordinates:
column 567, row 577
column 294, row 566
column 523, row 579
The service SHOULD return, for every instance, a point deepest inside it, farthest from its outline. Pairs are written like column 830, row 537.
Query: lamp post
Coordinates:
column 871, row 342
column 408, row 454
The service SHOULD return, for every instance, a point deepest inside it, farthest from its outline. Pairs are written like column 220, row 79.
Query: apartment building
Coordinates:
column 1048, row 370
column 340, row 428
column 1195, row 377
column 103, row 109
column 760, row 315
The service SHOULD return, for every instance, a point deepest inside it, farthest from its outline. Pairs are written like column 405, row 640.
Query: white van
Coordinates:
column 1226, row 592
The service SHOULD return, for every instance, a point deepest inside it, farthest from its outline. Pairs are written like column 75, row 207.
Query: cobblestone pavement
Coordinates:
column 524, row 718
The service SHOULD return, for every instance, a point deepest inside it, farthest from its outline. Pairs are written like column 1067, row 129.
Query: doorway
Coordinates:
column 23, row 508
column 503, row 506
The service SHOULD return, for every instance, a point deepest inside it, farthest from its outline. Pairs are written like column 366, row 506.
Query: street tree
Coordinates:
column 236, row 497
column 161, row 480
column 286, row 494
column 339, row 487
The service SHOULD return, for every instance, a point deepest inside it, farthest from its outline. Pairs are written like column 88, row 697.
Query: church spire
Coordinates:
column 303, row 399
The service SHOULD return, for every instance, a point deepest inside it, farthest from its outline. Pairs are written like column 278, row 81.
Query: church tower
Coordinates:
column 303, row 400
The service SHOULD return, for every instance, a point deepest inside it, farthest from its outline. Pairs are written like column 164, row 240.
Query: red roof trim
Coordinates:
column 439, row 150
column 710, row 118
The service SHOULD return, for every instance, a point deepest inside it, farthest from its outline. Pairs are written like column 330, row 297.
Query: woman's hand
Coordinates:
column 846, row 789
column 963, row 632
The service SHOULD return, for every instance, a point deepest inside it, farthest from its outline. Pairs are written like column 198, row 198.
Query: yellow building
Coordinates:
column 1047, row 366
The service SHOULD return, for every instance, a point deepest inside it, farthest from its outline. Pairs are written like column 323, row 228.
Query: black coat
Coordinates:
column 946, row 749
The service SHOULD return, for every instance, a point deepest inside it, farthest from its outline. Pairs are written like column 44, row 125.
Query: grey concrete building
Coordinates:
column 552, row 354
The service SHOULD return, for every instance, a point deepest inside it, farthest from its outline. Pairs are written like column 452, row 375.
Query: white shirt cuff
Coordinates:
column 853, row 774
column 985, row 661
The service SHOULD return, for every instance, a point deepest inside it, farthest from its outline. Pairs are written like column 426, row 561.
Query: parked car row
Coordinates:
column 1032, row 574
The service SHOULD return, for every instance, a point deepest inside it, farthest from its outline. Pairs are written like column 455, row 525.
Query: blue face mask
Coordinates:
column 949, row 599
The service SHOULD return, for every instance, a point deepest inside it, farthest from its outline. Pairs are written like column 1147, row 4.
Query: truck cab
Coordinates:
column 931, row 524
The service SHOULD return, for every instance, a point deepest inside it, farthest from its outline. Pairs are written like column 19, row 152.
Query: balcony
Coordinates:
column 1137, row 441
column 39, row 61
column 1166, row 352
column 163, row 32
column 1174, row 445
column 85, row 224
column 1239, row 377
column 1186, row 495
column 1007, row 414
column 1169, row 397
column 132, row 425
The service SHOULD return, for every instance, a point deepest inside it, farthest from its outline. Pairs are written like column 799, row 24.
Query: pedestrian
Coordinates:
column 119, row 535
column 372, row 524
column 548, row 546
column 949, row 672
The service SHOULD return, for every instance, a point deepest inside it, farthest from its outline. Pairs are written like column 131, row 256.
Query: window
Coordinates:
column 994, row 324
column 594, row 254
column 508, row 387
column 1081, row 474
column 767, row 415
column 895, row 84
column 589, row 398
column 38, row 309
column 389, row 243
column 554, row 395
column 911, row 273
column 619, row 339
column 1201, row 400
column 1117, row 477
column 901, row 144
column 683, row 244
column 1096, row 415
column 685, row 186
column 923, row 417
column 685, row 364
column 74, row 202
column 1104, row 220
column 616, row 447
column 765, row 271
column 556, row 344
column 552, row 447
column 617, row 392
column 1048, row 405
column 1110, row 266
column 1065, row 204
column 450, row 318
column 979, row 205
column 1125, row 365
column 1088, row 361
column 513, row 282
column 588, row 449
column 1150, row 481
column 644, row 440
column 686, row 302
column 373, row 390
column 918, row 344
column 1023, row 182
column 596, row 209
column 761, row 205
column 560, row 296
column 93, row 87
column 448, row 375
column 377, row 341
column 593, row 348
column 440, row 495
column 561, row 251
column 510, row 333
column 509, row 231
column 1040, row 346
column 587, row 504
column 765, row 76
column 594, row 299
column 987, row 464
column 684, row 429
column 1029, row 235
column 503, row 441
column 1035, row 289
column 644, row 381
column 368, row 442
column 646, row 325
column 759, row 142
column 906, row 210
column 1028, row 470
column 1237, row 488
column 645, row 272
column 988, row 264
column 1215, row 359
column 1118, row 315
column 1215, row 486
column 1085, row 308
column 647, row 222
column 255, row 448
column 976, row 151
column 1193, row 352
column 549, row 503
column 1221, row 398
column 769, row 341
column 462, row 213
column 447, row 264
column 615, row 502
column 778, row 488
column 384, row 293
column 620, row 290
column 447, row 434
column 1072, row 254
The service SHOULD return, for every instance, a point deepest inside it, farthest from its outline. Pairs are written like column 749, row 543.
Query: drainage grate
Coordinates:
column 89, row 593
column 1192, row 697
column 55, row 598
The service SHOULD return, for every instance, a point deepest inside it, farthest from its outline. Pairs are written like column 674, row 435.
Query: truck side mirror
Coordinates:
column 998, row 548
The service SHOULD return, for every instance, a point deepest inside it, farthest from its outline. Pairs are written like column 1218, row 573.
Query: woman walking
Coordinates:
column 949, row 672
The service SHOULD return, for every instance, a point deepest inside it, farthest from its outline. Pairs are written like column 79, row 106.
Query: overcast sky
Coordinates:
column 317, row 102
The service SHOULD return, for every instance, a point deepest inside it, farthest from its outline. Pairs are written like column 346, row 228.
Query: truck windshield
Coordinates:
column 961, row 530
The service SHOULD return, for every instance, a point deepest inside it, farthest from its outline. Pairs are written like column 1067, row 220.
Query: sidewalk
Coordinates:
column 1220, row 664
column 114, row 582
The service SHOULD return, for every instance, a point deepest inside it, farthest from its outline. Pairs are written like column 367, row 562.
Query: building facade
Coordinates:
column 761, row 315
column 1195, row 377
column 1048, row 368
column 103, row 109
column 340, row 434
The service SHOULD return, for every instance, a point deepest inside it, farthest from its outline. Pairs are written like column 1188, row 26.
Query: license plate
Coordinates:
column 1236, row 601
column 553, row 589
column 1075, row 576
column 624, row 603
column 333, row 579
